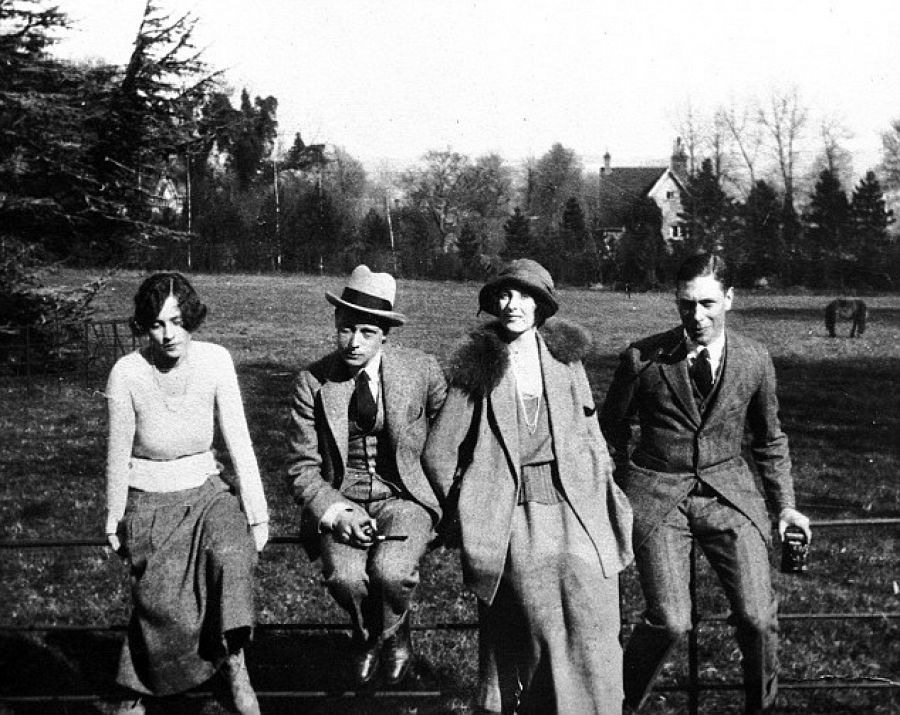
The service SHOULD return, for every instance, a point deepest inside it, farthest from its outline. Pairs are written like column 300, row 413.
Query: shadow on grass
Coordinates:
column 79, row 663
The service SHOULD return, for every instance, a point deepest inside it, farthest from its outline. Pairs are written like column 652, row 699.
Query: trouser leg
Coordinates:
column 345, row 576
column 738, row 554
column 663, row 563
column 394, row 565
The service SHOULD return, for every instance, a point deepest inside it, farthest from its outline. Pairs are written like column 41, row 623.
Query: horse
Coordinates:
column 851, row 309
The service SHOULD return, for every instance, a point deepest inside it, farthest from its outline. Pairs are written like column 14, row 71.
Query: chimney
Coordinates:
column 678, row 162
column 606, row 162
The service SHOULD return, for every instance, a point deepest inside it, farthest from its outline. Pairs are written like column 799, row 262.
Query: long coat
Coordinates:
column 678, row 445
column 413, row 389
column 473, row 451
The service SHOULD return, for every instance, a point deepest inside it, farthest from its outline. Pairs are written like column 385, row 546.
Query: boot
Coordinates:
column 398, row 654
column 235, row 672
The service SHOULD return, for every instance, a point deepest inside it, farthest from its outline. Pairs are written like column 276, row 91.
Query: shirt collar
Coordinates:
column 373, row 368
column 716, row 348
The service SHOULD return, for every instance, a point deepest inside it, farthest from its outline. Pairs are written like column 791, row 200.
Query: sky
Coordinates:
column 389, row 80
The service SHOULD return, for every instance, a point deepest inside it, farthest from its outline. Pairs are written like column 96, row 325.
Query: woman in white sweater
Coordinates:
column 191, row 539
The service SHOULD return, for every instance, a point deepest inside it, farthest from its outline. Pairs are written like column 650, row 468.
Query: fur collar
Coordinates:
column 481, row 360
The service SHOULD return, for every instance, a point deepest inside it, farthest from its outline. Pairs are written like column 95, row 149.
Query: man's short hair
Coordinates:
column 356, row 317
column 703, row 264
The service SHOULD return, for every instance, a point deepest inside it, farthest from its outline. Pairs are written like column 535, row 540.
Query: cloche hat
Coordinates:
column 370, row 293
column 528, row 276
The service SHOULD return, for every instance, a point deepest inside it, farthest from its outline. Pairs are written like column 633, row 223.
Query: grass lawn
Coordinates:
column 840, row 408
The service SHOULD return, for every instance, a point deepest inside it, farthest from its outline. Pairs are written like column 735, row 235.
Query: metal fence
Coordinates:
column 693, row 686
column 80, row 350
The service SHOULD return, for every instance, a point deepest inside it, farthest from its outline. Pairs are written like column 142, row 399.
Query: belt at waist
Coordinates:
column 540, row 484
column 171, row 475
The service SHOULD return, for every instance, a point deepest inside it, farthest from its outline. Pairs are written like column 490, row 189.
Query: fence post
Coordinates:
column 693, row 656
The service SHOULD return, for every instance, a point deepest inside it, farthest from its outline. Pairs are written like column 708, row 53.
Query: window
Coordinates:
column 670, row 195
column 673, row 231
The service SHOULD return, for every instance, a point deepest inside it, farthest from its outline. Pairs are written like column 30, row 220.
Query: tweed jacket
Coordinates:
column 678, row 445
column 472, row 453
column 413, row 389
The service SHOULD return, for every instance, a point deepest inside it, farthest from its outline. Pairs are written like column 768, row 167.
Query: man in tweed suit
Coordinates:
column 693, row 390
column 358, row 422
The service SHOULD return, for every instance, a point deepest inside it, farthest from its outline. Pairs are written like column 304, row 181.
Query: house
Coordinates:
column 622, row 186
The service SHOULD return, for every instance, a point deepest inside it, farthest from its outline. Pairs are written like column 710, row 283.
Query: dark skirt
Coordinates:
column 192, row 560
column 549, row 642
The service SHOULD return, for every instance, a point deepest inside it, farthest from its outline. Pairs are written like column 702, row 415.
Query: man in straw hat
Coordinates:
column 358, row 422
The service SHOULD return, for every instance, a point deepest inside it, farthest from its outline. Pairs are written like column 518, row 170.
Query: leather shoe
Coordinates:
column 366, row 660
column 398, row 654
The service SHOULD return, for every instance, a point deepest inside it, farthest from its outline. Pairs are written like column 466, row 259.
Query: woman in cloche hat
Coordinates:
column 544, row 529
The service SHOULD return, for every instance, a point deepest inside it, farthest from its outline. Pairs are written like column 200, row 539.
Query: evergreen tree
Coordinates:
column 826, row 252
column 518, row 237
column 707, row 209
column 641, row 248
column 469, row 246
column 876, row 251
column 755, row 251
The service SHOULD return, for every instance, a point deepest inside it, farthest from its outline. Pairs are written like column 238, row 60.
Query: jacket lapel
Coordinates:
column 505, row 410
column 676, row 376
column 729, row 379
column 336, row 394
column 396, row 391
column 556, row 389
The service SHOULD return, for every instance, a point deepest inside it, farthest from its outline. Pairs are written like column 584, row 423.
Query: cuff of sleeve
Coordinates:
column 112, row 525
column 327, row 521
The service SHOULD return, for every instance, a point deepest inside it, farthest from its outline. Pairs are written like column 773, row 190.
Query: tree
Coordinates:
column 252, row 141
column 876, row 249
column 469, row 247
column 783, row 121
column 436, row 187
column 707, row 209
column 640, row 251
column 557, row 176
column 518, row 237
column 755, row 252
column 826, row 247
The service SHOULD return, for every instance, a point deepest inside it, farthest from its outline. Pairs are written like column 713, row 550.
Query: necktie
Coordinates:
column 701, row 372
column 363, row 404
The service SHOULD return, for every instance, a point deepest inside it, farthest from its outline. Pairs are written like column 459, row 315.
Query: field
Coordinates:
column 840, row 408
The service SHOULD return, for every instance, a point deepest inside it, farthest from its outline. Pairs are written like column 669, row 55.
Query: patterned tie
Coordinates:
column 362, row 406
column 701, row 372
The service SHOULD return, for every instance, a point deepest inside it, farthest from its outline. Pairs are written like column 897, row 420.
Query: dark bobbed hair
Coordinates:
column 703, row 264
column 357, row 317
column 151, row 295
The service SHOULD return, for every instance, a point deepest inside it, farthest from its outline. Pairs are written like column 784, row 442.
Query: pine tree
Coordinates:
column 876, row 251
column 518, row 237
column 826, row 243
column 756, row 251
column 640, row 251
column 707, row 209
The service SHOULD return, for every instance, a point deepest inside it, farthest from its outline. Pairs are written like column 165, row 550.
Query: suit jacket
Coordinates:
column 413, row 390
column 678, row 445
column 474, row 448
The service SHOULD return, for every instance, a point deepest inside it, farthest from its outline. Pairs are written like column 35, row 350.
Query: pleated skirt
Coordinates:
column 192, row 561
column 549, row 643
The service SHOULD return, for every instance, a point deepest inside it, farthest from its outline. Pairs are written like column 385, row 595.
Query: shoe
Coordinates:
column 398, row 654
column 366, row 660
column 131, row 707
column 235, row 671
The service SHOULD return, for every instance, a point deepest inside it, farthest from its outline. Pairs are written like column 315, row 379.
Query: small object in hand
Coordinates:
column 794, row 551
column 376, row 536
